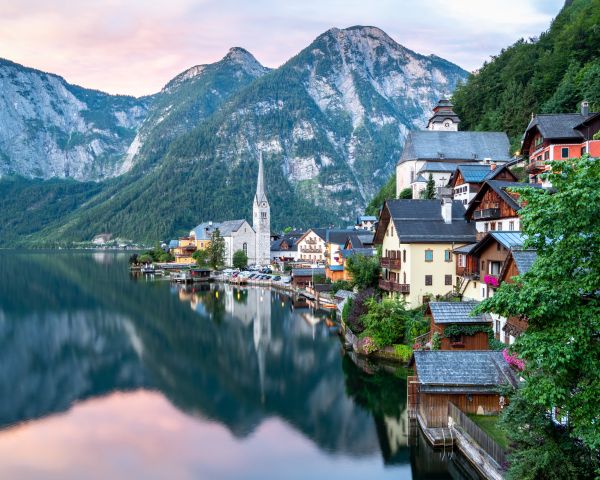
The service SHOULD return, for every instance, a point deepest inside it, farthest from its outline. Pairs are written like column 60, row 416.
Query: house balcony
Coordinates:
column 487, row 213
column 391, row 263
column 311, row 250
column 537, row 166
column 391, row 286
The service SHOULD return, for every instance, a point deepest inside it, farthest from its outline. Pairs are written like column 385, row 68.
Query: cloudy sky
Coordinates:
column 136, row 46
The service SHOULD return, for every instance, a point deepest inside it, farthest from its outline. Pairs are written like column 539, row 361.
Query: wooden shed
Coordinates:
column 470, row 330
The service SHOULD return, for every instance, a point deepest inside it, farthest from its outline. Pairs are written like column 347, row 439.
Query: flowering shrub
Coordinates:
column 513, row 360
column 491, row 280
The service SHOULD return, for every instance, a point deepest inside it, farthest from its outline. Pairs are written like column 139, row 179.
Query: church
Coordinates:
column 441, row 147
column 254, row 240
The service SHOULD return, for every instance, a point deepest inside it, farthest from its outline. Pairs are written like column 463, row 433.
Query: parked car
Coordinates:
column 276, row 278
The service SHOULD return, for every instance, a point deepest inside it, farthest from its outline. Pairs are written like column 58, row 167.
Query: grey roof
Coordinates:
column 366, row 252
column 524, row 259
column 465, row 248
column 559, row 125
column 419, row 221
column 420, row 179
column 338, row 236
column 508, row 239
column 500, row 186
column 359, row 240
column 464, row 146
column 290, row 239
column 366, row 218
column 478, row 172
column 321, row 232
column 307, row 272
column 437, row 167
column 456, row 312
column 344, row 294
column 204, row 230
column 173, row 243
column 462, row 371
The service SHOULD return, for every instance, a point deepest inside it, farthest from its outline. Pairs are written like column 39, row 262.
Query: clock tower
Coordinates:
column 261, row 219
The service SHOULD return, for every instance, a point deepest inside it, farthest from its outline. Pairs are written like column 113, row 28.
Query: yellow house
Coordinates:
column 184, row 251
column 417, row 238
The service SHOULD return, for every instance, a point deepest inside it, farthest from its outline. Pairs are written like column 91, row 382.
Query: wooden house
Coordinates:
column 304, row 277
column 518, row 262
column 445, row 316
column 558, row 136
column 466, row 180
column 469, row 379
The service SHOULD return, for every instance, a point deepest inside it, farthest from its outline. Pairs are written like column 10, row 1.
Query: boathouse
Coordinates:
column 457, row 327
column 468, row 379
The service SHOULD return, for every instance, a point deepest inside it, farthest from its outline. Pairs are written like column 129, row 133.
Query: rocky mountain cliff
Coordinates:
column 330, row 124
column 50, row 128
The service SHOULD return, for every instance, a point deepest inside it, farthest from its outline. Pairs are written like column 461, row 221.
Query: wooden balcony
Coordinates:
column 391, row 286
column 392, row 263
column 537, row 166
column 311, row 250
column 487, row 213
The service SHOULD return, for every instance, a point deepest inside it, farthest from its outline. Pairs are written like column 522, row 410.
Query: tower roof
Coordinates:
column 261, row 196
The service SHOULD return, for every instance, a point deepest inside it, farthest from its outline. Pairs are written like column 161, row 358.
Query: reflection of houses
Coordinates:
column 469, row 379
column 417, row 239
column 559, row 136
column 449, row 320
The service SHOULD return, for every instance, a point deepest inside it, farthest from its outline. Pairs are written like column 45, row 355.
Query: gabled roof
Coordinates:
column 524, row 259
column 479, row 172
column 465, row 248
column 319, row 232
column 431, row 166
column 508, row 239
column 205, row 230
column 448, row 145
column 291, row 240
column 173, row 243
column 421, row 221
column 366, row 218
column 456, row 312
column 462, row 371
column 307, row 272
column 338, row 237
column 499, row 186
column 559, row 125
column 367, row 252
column 358, row 239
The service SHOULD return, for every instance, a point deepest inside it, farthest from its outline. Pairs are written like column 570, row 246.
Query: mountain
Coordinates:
column 50, row 128
column 548, row 74
column 330, row 124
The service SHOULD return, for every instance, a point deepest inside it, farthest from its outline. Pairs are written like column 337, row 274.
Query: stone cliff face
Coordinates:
column 49, row 128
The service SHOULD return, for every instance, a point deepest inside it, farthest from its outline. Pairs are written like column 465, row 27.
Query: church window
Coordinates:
column 263, row 215
column 245, row 248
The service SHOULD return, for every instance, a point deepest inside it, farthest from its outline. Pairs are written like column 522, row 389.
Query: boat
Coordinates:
column 147, row 269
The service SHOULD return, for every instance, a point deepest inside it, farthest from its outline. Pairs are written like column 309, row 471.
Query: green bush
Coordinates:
column 404, row 352
column 436, row 341
column 365, row 271
column 346, row 310
column 340, row 285
column 240, row 259
column 406, row 193
column 385, row 321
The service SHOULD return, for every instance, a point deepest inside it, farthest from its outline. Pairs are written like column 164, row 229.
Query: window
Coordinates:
column 498, row 327
column 583, row 150
column 485, row 227
column 499, row 226
column 493, row 226
column 447, row 255
column 392, row 230
column 263, row 215
column 429, row 255
column 428, row 280
column 447, row 279
column 511, row 225
column 495, row 267
column 547, row 155
column 404, row 256
column 245, row 248
column 462, row 260
column 564, row 152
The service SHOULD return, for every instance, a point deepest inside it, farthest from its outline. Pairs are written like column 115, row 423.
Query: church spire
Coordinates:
column 261, row 196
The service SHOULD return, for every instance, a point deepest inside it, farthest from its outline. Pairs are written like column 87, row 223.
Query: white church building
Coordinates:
column 254, row 240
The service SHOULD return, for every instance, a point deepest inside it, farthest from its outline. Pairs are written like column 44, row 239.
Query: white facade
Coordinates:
column 509, row 224
column 464, row 193
column 311, row 248
column 243, row 239
column 261, row 219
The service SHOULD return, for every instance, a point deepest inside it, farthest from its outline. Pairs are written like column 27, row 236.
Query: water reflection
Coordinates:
column 75, row 329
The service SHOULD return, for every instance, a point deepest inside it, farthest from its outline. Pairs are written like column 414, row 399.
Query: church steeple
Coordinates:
column 261, row 218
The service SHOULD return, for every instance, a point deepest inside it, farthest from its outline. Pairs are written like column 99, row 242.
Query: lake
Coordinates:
column 107, row 376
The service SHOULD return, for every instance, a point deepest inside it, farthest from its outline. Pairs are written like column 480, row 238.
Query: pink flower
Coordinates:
column 513, row 360
column 491, row 280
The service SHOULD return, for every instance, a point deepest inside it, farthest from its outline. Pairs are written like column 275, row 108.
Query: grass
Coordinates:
column 489, row 424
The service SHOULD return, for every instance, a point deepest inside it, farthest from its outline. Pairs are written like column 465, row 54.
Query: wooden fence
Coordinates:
column 487, row 443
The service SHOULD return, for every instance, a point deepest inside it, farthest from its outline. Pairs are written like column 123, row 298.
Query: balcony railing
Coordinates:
column 493, row 212
column 391, row 286
column 536, row 166
column 387, row 262
column 311, row 250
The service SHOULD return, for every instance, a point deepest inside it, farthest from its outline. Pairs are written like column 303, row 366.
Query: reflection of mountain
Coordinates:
column 72, row 328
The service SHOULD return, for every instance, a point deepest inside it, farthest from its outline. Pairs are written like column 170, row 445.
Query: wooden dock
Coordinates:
column 437, row 436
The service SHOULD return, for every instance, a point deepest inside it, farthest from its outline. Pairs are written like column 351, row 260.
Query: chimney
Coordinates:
column 585, row 108
column 493, row 166
column 447, row 209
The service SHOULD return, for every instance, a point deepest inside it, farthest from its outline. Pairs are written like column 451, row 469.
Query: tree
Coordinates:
column 386, row 192
column 201, row 257
column 560, row 297
column 385, row 321
column 406, row 193
column 287, row 229
column 364, row 271
column 429, row 192
column 240, row 259
column 216, row 249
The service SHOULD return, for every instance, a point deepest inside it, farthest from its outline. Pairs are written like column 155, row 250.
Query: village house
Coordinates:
column 365, row 222
column 518, row 262
column 457, row 328
column 438, row 149
column 496, row 207
column 469, row 379
column 466, row 179
column 311, row 246
column 186, row 246
column 334, row 243
column 285, row 248
column 558, row 136
column 417, row 238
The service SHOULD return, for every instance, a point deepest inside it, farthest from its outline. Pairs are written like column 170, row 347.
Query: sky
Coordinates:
column 136, row 46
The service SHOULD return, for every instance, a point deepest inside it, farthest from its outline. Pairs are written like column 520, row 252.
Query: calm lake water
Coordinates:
column 106, row 376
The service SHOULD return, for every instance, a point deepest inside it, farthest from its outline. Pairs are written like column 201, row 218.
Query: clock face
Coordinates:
column 264, row 204
column 447, row 124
